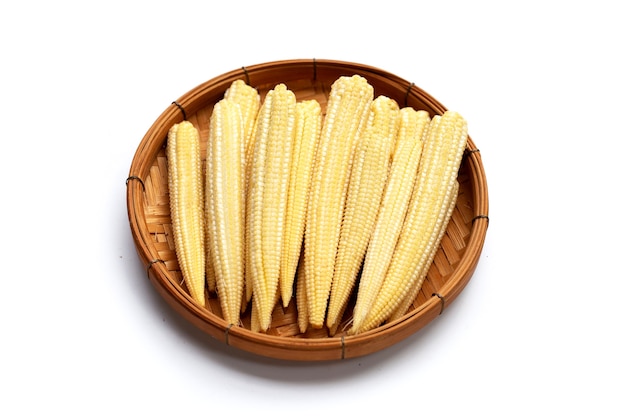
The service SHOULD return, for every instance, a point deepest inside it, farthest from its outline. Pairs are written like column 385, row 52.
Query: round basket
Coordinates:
column 149, row 218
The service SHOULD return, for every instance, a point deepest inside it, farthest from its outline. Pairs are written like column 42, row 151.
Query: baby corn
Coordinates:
column 409, row 145
column 346, row 116
column 307, row 131
column 267, row 197
column 347, row 205
column 427, row 214
column 249, row 102
column 224, row 203
column 366, row 185
column 186, row 193
column 410, row 297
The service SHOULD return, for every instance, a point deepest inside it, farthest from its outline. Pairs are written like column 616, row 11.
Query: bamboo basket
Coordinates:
column 149, row 218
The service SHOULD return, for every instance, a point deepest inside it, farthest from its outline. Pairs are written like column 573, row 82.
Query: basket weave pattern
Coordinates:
column 149, row 216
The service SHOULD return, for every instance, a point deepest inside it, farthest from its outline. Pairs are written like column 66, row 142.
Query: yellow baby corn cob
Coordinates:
column 255, row 320
column 307, row 132
column 410, row 297
column 366, row 185
column 224, row 200
column 427, row 213
column 267, row 197
column 409, row 145
column 346, row 116
column 186, row 192
column 249, row 102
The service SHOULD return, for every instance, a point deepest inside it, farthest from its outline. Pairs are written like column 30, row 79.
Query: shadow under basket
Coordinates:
column 149, row 218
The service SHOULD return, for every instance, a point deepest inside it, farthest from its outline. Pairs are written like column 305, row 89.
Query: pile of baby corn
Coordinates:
column 317, row 208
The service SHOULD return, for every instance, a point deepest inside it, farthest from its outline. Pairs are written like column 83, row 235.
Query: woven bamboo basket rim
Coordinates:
column 148, row 214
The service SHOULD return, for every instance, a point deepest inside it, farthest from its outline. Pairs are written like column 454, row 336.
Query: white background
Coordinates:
column 539, row 330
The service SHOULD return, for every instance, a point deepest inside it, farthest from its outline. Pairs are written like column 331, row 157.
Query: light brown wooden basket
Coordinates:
column 149, row 218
